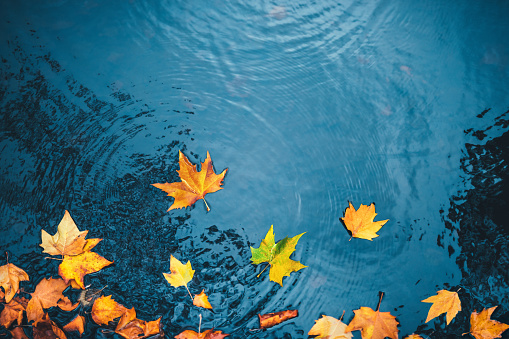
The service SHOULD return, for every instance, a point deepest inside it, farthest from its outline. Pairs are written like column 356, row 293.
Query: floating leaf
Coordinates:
column 360, row 222
column 277, row 255
column 13, row 311
column 77, row 266
column 48, row 293
column 77, row 324
column 194, row 185
column 444, row 301
column 374, row 324
column 68, row 240
column 483, row 327
column 208, row 334
column 329, row 328
column 180, row 274
column 202, row 300
column 275, row 318
column 414, row 336
column 105, row 309
column 10, row 276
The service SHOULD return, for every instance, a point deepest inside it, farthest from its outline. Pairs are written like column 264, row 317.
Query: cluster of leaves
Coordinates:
column 78, row 260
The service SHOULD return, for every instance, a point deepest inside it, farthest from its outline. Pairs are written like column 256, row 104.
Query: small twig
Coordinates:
column 259, row 274
column 54, row 258
column 459, row 289
column 350, row 238
column 7, row 255
column 379, row 301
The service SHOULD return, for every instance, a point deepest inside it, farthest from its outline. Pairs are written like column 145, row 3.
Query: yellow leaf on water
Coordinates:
column 360, row 222
column 10, row 276
column 444, row 301
column 483, row 327
column 180, row 274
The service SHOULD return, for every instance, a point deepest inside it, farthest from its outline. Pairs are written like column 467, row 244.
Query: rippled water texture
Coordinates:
column 309, row 105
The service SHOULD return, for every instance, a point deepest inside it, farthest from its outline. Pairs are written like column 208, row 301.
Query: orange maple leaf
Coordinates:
column 374, row 324
column 482, row 327
column 130, row 327
column 275, row 318
column 48, row 293
column 202, row 300
column 10, row 276
column 105, row 309
column 444, row 301
column 13, row 311
column 75, row 267
column 77, row 324
column 360, row 223
column 208, row 334
column 194, row 184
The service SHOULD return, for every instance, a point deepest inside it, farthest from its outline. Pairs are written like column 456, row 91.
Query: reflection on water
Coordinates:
column 309, row 105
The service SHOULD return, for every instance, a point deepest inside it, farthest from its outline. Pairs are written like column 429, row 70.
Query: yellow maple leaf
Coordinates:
column 194, row 184
column 444, row 301
column 180, row 274
column 68, row 240
column 10, row 276
column 329, row 328
column 482, row 327
column 360, row 222
column 75, row 267
column 202, row 300
column 105, row 309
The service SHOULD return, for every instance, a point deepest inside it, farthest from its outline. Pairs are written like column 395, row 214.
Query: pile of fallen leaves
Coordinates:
column 26, row 314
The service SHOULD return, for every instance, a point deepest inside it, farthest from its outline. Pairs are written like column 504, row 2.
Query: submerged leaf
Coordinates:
column 194, row 185
column 13, row 311
column 277, row 255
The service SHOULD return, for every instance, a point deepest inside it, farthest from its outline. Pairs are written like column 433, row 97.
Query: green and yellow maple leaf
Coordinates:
column 277, row 255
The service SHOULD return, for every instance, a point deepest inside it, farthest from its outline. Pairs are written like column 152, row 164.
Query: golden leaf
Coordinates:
column 329, row 328
column 483, row 327
column 444, row 301
column 180, row 274
column 105, row 309
column 10, row 276
column 77, row 266
column 360, row 222
column 202, row 300
column 194, row 185
column 373, row 324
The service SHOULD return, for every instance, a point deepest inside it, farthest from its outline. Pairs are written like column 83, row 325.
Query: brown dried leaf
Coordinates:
column 10, row 276
column 13, row 311
column 273, row 319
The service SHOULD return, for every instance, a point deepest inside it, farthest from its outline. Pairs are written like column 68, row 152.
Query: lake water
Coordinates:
column 310, row 105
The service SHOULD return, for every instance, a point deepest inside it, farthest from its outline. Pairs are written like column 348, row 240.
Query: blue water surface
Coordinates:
column 310, row 105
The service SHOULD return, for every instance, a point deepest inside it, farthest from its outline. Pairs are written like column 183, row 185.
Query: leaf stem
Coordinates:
column 258, row 276
column 189, row 293
column 199, row 326
column 205, row 201
column 379, row 301
column 342, row 315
